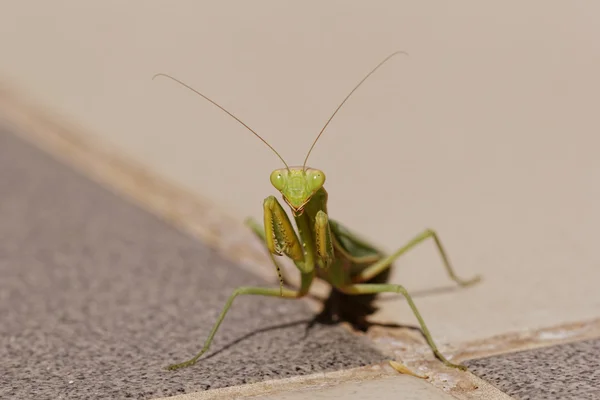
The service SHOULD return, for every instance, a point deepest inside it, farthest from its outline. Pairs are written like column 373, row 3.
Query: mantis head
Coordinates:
column 297, row 185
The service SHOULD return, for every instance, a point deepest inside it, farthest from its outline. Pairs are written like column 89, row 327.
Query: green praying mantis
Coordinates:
column 322, row 247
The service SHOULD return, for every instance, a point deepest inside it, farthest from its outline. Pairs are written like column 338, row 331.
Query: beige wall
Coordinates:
column 488, row 131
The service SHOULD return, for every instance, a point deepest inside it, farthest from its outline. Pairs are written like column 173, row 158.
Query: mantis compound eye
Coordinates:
column 315, row 179
column 278, row 178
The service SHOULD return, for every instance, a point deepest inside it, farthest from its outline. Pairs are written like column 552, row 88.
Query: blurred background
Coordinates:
column 488, row 131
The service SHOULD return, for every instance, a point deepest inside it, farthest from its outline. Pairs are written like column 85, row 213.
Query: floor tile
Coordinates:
column 390, row 388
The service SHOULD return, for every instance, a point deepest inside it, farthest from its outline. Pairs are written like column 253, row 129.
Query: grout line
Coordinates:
column 204, row 220
column 529, row 340
column 468, row 386
column 410, row 349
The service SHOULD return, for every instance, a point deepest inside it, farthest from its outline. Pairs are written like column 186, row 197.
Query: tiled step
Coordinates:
column 98, row 295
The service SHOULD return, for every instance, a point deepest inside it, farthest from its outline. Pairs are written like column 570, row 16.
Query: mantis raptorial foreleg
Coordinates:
column 280, row 236
column 271, row 292
column 260, row 233
column 386, row 262
column 373, row 288
column 323, row 239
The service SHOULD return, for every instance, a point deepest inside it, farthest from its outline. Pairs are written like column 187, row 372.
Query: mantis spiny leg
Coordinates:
column 323, row 239
column 260, row 233
column 283, row 277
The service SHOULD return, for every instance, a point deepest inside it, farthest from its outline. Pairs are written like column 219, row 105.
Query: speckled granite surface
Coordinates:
column 97, row 296
column 564, row 372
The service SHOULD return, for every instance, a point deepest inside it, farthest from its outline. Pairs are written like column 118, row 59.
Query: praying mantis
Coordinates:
column 322, row 247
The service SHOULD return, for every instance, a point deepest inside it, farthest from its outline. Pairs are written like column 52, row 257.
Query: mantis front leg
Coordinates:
column 279, row 237
column 260, row 233
column 323, row 239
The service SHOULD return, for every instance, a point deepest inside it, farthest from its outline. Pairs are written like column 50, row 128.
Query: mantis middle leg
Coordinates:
column 386, row 262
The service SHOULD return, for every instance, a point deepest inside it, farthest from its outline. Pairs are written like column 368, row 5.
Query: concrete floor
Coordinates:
column 567, row 372
column 97, row 296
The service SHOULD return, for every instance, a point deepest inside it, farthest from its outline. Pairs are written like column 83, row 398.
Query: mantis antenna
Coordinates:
column 347, row 97
column 223, row 109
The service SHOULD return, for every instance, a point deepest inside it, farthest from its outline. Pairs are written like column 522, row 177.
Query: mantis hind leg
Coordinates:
column 373, row 288
column 385, row 263
column 271, row 292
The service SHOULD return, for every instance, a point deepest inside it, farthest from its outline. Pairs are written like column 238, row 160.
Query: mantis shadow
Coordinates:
column 330, row 316
column 355, row 309
column 258, row 331
column 341, row 308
